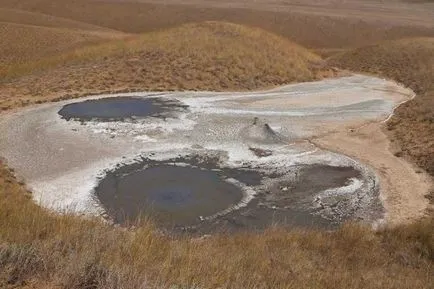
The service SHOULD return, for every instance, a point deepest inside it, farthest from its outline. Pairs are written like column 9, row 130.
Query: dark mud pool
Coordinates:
column 201, row 196
column 120, row 108
column 174, row 194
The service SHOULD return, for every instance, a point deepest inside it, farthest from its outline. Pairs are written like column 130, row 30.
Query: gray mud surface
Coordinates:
column 187, row 194
column 167, row 193
column 120, row 108
column 202, row 162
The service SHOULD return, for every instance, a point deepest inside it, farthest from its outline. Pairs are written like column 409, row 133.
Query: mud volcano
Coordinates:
column 196, row 194
column 290, row 181
column 172, row 194
column 261, row 133
column 120, row 108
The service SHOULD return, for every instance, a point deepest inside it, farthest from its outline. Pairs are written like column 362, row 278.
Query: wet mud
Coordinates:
column 171, row 194
column 120, row 108
column 203, row 162
column 198, row 195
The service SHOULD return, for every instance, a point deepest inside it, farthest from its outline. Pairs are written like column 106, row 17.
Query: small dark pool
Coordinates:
column 172, row 194
column 119, row 108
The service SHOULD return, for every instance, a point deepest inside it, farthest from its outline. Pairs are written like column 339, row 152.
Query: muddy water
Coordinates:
column 119, row 108
column 288, row 203
column 171, row 194
column 188, row 195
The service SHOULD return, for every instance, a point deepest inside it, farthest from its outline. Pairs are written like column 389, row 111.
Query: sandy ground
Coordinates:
column 62, row 161
column 403, row 187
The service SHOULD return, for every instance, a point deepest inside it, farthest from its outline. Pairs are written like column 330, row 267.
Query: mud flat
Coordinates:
column 206, row 161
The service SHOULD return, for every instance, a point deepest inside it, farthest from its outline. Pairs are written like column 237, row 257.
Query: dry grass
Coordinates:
column 408, row 61
column 39, row 19
column 40, row 249
column 411, row 62
column 44, row 250
column 313, row 31
column 21, row 44
column 208, row 56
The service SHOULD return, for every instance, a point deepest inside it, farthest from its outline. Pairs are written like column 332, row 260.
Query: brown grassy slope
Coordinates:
column 389, row 11
column 39, row 19
column 25, row 43
column 43, row 250
column 411, row 62
column 313, row 31
column 207, row 56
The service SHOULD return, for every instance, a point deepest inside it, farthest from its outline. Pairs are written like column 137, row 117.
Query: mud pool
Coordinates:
column 170, row 194
column 118, row 109
column 199, row 194
column 204, row 161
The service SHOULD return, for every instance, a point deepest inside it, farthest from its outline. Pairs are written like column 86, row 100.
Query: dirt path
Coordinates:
column 403, row 187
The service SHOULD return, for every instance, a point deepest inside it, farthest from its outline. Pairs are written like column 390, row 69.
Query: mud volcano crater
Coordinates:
column 121, row 108
column 176, row 192
column 200, row 195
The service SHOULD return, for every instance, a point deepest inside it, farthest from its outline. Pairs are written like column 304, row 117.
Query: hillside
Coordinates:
column 30, row 37
column 53, row 50
column 207, row 56
column 410, row 62
column 26, row 43
column 332, row 28
column 39, row 19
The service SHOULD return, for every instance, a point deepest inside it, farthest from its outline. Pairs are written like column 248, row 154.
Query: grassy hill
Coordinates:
column 410, row 62
column 45, row 20
column 207, row 56
column 312, row 31
column 28, row 37
column 26, row 43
